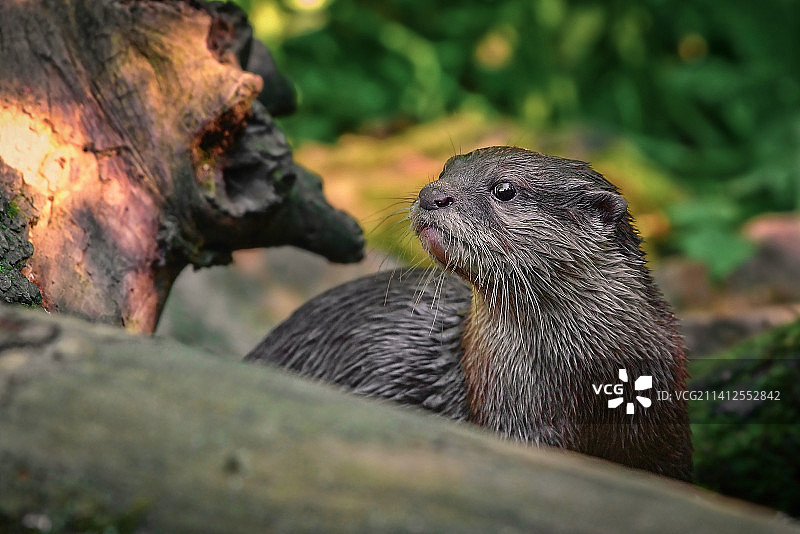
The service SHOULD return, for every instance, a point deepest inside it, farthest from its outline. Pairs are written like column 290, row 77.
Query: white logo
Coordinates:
column 642, row 383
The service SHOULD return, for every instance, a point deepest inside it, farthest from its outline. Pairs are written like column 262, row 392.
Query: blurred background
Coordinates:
column 692, row 109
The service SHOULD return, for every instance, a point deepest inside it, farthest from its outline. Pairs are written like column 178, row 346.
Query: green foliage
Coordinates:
column 710, row 90
column 709, row 235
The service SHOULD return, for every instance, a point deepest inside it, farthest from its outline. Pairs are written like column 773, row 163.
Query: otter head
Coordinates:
column 508, row 219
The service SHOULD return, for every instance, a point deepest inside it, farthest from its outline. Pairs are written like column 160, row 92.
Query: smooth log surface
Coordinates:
column 99, row 427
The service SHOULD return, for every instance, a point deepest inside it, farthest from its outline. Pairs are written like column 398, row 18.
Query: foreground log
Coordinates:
column 130, row 143
column 99, row 428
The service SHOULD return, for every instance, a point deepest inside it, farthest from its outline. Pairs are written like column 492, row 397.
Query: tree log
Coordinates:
column 129, row 141
column 100, row 429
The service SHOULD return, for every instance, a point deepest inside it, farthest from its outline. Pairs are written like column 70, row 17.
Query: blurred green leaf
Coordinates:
column 722, row 250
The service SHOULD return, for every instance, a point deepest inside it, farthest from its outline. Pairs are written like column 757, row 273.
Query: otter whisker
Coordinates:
column 430, row 274
column 437, row 300
column 394, row 223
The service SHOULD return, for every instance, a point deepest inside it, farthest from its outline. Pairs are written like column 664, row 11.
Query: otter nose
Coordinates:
column 432, row 198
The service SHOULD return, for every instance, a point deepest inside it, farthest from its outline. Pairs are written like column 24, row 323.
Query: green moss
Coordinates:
column 750, row 450
column 12, row 210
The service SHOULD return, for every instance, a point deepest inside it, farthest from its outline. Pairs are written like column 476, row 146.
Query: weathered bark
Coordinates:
column 15, row 249
column 129, row 140
column 101, row 428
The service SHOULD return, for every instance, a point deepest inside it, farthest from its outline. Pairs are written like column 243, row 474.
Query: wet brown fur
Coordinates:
column 557, row 298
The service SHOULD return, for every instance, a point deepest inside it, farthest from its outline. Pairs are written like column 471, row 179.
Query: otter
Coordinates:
column 541, row 311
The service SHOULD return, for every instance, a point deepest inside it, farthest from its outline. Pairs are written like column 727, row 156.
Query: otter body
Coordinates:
column 544, row 298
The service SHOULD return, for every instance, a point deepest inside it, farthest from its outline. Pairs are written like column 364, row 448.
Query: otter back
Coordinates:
column 381, row 336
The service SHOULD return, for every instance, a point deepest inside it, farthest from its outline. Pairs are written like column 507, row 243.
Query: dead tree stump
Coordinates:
column 130, row 143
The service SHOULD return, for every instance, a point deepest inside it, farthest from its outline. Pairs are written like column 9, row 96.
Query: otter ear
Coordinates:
column 611, row 207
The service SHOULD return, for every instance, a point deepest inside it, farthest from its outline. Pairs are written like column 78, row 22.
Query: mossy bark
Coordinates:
column 749, row 449
column 15, row 249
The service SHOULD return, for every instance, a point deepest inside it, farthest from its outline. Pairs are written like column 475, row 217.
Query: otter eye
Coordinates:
column 504, row 191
